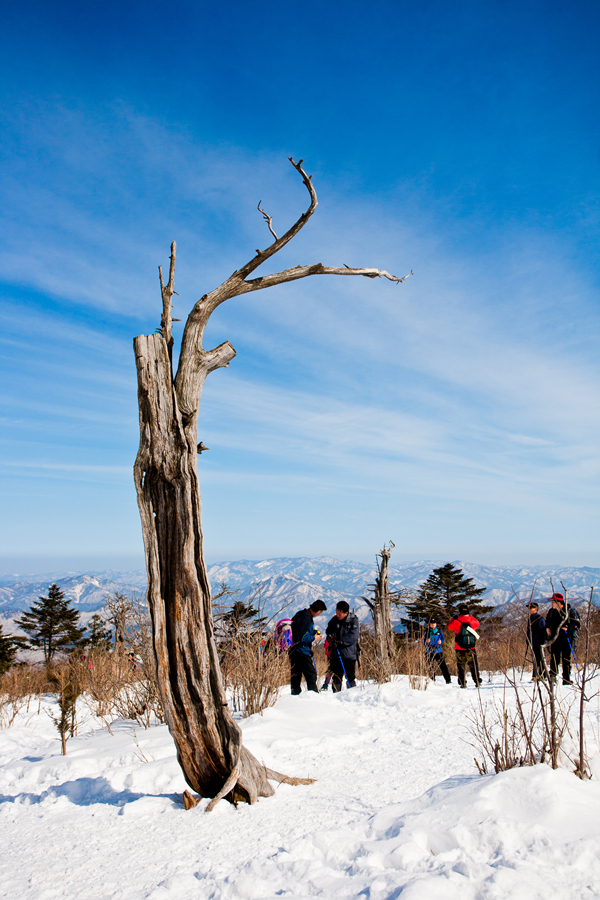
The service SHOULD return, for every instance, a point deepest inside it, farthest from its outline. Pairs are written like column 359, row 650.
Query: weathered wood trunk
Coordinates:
column 380, row 605
column 208, row 741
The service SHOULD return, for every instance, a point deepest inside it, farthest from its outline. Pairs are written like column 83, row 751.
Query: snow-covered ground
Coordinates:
column 398, row 810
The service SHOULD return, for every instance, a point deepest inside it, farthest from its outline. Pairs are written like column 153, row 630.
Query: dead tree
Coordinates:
column 380, row 606
column 208, row 741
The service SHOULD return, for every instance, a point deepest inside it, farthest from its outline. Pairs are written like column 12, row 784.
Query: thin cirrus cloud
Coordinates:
column 472, row 383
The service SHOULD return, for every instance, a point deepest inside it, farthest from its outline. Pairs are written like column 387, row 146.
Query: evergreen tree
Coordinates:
column 51, row 625
column 242, row 618
column 445, row 590
column 8, row 651
column 98, row 637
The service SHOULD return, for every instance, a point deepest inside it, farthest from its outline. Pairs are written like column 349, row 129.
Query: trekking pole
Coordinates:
column 343, row 667
column 573, row 655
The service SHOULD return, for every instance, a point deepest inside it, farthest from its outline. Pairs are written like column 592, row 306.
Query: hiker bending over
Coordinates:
column 536, row 638
column 562, row 629
column 342, row 635
column 464, row 627
column 434, row 650
column 302, row 661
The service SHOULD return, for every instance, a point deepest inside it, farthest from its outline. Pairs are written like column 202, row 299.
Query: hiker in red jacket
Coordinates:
column 464, row 627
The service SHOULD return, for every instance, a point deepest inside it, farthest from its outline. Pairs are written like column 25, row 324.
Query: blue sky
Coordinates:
column 456, row 414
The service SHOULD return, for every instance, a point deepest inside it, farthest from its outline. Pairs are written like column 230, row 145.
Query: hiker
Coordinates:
column 301, row 655
column 536, row 638
column 562, row 629
column 434, row 650
column 465, row 626
column 342, row 634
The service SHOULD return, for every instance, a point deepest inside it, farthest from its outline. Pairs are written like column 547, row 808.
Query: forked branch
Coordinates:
column 193, row 360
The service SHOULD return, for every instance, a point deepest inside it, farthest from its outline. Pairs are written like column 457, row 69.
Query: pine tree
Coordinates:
column 98, row 637
column 51, row 625
column 445, row 590
column 241, row 619
column 8, row 651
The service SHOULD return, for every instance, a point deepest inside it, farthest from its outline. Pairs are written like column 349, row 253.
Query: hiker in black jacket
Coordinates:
column 561, row 624
column 536, row 638
column 343, row 634
column 301, row 655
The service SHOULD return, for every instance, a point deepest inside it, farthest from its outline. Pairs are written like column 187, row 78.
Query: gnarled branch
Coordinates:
column 268, row 219
column 192, row 361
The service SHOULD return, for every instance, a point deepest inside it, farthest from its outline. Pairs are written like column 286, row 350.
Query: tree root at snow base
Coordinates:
column 229, row 788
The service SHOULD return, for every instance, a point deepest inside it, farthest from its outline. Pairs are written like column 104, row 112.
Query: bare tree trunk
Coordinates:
column 380, row 605
column 208, row 741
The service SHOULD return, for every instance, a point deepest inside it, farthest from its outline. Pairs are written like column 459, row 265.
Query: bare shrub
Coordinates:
column 253, row 668
column 406, row 657
column 524, row 732
column 124, row 683
column 19, row 687
column 254, row 671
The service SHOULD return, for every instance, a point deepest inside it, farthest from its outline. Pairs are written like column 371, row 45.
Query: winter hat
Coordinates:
column 463, row 610
column 557, row 598
column 534, row 605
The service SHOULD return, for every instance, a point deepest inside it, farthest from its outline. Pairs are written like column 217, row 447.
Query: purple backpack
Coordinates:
column 283, row 634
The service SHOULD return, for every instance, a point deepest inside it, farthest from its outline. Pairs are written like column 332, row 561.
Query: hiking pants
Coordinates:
column 437, row 659
column 467, row 659
column 302, row 664
column 338, row 672
column 560, row 651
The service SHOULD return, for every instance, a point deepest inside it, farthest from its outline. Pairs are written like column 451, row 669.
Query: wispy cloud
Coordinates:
column 467, row 393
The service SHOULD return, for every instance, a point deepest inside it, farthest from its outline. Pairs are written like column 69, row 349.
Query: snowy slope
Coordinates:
column 398, row 808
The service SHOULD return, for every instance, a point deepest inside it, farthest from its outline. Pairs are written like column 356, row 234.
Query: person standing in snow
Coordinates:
column 464, row 627
column 561, row 625
column 302, row 661
column 342, row 635
column 536, row 638
column 434, row 650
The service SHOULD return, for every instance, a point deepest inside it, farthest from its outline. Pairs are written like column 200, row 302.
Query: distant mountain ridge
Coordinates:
column 292, row 583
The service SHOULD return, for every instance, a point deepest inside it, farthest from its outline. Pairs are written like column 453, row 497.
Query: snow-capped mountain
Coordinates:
column 288, row 584
column 88, row 590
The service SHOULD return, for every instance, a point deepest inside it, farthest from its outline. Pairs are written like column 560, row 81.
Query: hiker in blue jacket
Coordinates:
column 301, row 655
column 434, row 650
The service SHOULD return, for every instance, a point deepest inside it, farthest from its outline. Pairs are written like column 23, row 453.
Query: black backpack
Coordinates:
column 465, row 638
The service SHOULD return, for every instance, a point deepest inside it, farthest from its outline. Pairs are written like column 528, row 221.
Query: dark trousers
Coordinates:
column 561, row 652
column 436, row 660
column 335, row 665
column 302, row 664
column 467, row 659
